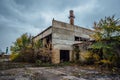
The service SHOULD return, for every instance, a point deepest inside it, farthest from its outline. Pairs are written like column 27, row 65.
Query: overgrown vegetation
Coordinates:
column 104, row 51
column 107, row 42
column 105, row 48
column 22, row 50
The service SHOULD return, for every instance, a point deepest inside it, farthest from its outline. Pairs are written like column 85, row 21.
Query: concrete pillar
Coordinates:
column 71, row 55
column 56, row 56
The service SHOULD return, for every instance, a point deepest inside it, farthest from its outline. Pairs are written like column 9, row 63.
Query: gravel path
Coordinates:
column 56, row 73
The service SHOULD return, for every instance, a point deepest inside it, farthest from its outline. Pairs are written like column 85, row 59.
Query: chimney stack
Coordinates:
column 71, row 17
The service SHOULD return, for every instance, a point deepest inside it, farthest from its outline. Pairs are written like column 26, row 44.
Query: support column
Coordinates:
column 56, row 56
column 71, row 55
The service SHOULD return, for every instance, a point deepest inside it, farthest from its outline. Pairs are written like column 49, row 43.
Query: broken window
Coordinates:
column 47, row 41
column 76, row 38
column 81, row 39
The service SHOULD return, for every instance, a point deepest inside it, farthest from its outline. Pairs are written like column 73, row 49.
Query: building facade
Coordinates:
column 61, row 37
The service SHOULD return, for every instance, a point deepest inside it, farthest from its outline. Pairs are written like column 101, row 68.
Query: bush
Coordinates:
column 96, row 57
column 38, row 62
column 87, row 57
column 14, row 57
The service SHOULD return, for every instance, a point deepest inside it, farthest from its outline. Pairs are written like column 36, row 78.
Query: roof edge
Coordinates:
column 42, row 31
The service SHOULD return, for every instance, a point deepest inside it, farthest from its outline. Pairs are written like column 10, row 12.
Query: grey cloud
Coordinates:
column 32, row 16
column 8, row 35
column 101, row 9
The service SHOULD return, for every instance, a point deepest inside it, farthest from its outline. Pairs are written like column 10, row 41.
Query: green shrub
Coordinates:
column 38, row 62
column 64, row 64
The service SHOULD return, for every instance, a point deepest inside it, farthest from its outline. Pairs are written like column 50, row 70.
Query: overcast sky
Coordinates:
column 33, row 16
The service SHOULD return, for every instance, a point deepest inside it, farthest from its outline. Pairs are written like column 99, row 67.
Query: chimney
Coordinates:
column 71, row 17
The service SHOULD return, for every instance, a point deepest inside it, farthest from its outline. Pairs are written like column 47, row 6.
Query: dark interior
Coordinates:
column 64, row 55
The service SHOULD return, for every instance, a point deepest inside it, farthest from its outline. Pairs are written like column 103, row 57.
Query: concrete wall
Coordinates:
column 63, row 37
column 63, row 34
column 73, row 30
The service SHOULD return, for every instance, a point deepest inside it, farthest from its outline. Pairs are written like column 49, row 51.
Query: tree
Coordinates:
column 37, row 44
column 23, row 47
column 107, row 37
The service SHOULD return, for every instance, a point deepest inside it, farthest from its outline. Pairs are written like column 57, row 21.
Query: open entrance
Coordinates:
column 64, row 55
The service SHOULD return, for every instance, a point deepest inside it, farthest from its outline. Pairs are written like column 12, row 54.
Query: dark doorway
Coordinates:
column 64, row 55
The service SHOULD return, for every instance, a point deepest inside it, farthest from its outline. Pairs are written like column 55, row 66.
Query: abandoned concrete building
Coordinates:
column 62, row 37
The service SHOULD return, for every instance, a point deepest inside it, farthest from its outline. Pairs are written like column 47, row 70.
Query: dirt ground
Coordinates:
column 57, row 73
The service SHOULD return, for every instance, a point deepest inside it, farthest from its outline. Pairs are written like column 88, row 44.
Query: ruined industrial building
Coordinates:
column 61, row 38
